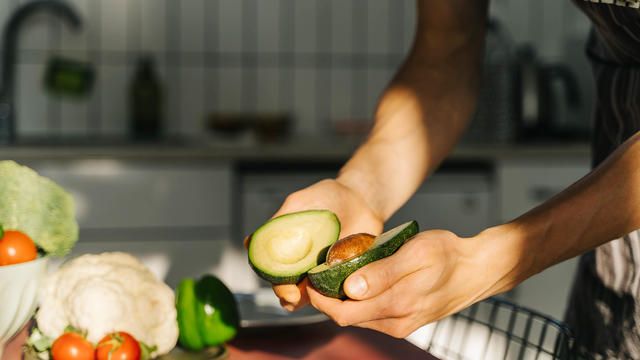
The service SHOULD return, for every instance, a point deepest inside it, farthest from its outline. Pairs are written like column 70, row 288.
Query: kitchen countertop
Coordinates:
column 308, row 149
column 324, row 340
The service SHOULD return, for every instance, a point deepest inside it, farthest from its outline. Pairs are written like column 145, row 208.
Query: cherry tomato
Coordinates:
column 16, row 247
column 72, row 346
column 118, row 345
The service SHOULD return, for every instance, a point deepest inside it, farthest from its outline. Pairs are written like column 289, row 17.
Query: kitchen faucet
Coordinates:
column 9, row 49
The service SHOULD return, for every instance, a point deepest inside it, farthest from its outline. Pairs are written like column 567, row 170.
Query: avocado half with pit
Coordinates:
column 353, row 252
column 283, row 249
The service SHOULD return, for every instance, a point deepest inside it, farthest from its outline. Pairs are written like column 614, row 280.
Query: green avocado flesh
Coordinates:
column 283, row 249
column 329, row 279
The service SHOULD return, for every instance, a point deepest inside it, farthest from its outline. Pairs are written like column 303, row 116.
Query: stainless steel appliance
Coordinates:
column 547, row 97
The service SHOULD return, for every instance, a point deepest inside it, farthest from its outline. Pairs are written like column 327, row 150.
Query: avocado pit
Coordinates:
column 352, row 253
column 349, row 247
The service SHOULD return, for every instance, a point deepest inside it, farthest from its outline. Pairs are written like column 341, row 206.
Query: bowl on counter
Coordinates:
column 19, row 289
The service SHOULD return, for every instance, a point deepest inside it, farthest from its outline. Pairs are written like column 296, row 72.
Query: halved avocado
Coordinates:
column 329, row 279
column 283, row 249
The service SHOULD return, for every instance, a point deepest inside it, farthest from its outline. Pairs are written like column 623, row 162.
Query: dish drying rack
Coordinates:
column 496, row 329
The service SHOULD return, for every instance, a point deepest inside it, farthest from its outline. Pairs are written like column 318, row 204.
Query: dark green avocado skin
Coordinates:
column 330, row 282
column 278, row 280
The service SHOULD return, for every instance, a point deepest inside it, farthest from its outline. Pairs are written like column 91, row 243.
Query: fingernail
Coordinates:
column 357, row 286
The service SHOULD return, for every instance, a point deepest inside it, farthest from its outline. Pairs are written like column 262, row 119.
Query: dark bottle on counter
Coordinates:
column 145, row 102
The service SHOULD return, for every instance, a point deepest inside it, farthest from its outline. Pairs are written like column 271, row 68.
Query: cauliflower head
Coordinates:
column 105, row 293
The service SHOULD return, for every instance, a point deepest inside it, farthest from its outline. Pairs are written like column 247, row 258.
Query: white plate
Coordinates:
column 262, row 308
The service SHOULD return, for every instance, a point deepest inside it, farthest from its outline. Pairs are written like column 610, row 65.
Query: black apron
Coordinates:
column 604, row 307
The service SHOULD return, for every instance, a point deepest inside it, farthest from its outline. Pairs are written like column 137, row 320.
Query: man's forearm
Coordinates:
column 425, row 109
column 600, row 207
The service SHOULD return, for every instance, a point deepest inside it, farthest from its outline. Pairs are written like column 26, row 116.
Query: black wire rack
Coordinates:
column 499, row 329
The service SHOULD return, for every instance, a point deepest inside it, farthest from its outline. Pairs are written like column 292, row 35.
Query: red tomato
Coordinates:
column 72, row 346
column 16, row 247
column 118, row 345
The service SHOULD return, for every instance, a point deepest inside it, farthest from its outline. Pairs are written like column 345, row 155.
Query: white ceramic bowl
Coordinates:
column 19, row 289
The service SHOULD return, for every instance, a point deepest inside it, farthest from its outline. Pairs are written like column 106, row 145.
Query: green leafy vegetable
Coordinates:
column 38, row 207
column 37, row 346
column 146, row 350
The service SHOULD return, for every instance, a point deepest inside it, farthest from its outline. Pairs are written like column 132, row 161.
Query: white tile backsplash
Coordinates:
column 378, row 26
column 517, row 21
column 305, row 26
column 359, row 88
column 341, row 26
column 172, row 98
column 410, row 19
column 268, row 90
column 114, row 25
column 74, row 116
column 35, row 33
column 550, row 42
column 192, row 113
column 76, row 39
column 210, row 89
column 268, row 22
column 217, row 26
column 153, row 25
column 305, row 101
column 230, row 18
column 230, row 90
column 115, row 81
column 5, row 8
column 32, row 104
column 499, row 9
column 192, row 19
column 322, row 88
column 341, row 96
column 377, row 80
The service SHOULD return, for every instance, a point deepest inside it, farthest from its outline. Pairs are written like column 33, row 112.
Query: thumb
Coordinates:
column 378, row 276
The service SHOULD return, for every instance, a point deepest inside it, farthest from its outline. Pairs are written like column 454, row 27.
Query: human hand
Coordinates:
column 433, row 275
column 353, row 212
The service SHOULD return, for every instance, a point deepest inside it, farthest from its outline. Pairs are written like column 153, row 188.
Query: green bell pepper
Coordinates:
column 207, row 313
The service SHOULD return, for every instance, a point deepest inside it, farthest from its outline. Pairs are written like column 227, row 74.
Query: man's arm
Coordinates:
column 425, row 109
column 602, row 206
column 417, row 122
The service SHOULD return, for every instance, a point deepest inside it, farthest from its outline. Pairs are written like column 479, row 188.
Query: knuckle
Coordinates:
column 406, row 308
column 289, row 199
column 402, row 309
column 396, row 333
column 401, row 330
column 402, row 305
column 404, row 332
column 386, row 278
column 341, row 321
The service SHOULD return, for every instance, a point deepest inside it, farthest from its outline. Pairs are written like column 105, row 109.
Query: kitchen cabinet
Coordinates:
column 459, row 202
column 262, row 194
column 185, row 210
column 173, row 215
column 522, row 185
column 120, row 194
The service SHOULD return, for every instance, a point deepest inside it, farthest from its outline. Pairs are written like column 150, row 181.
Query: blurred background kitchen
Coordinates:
column 180, row 126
